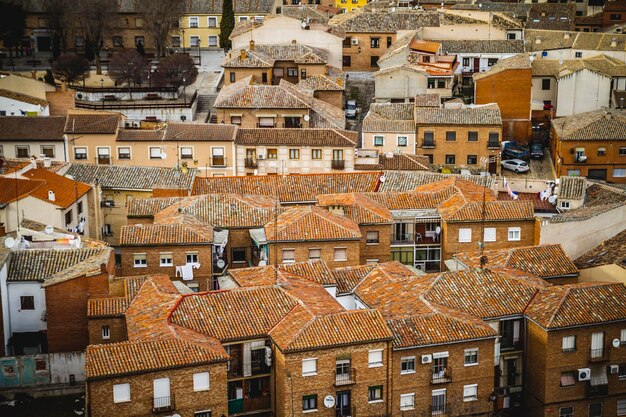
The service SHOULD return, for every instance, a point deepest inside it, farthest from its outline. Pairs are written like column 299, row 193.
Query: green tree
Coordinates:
column 227, row 24
column 12, row 25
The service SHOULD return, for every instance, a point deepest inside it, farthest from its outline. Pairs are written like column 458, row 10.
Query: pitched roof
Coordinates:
column 310, row 223
column 243, row 94
column 389, row 117
column 322, row 82
column 302, row 137
column 544, row 261
column 106, row 307
column 43, row 264
column 493, row 211
column 316, row 271
column 31, row 128
column 258, row 7
column 517, row 62
column 611, row 251
column 131, row 177
column 92, row 123
column 427, row 100
column 372, row 22
column 397, row 162
column 349, row 277
column 264, row 55
column 552, row 16
column 499, row 46
column 539, row 40
column 358, row 208
column 289, row 188
column 186, row 230
column 602, row 124
column 408, row 181
column 305, row 11
column 181, row 132
column 66, row 191
column 12, row 189
column 468, row 116
column 572, row 187
column 14, row 95
column 579, row 304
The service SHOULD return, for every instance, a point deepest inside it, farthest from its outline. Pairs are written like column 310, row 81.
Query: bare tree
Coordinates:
column 95, row 19
column 161, row 18
column 176, row 70
column 71, row 68
column 57, row 12
column 128, row 66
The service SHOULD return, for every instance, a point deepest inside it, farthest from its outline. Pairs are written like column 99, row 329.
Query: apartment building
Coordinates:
column 23, row 139
column 390, row 127
column 91, row 136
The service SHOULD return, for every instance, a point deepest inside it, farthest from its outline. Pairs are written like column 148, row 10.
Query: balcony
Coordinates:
column 345, row 378
column 104, row 160
column 441, row 376
column 251, row 162
column 597, row 390
column 580, row 159
column 493, row 145
column 598, row 355
column 439, row 409
column 218, row 161
column 338, row 164
column 414, row 238
column 160, row 404
column 428, row 144
column 507, row 343
column 247, row 405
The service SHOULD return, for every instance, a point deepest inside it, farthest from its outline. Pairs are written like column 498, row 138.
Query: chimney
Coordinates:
column 242, row 54
column 3, row 230
column 251, row 45
column 566, row 35
column 338, row 210
column 51, row 196
column 538, row 40
column 613, row 43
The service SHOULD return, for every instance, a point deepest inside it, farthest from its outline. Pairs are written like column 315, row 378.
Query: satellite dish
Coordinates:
column 262, row 263
column 382, row 178
column 163, row 155
column 329, row 401
column 616, row 343
column 306, row 118
column 220, row 263
column 49, row 229
column 9, row 242
column 303, row 24
column 256, row 172
column 552, row 199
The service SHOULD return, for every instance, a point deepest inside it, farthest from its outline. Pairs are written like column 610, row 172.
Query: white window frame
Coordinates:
column 465, row 235
column 183, row 155
column 367, row 238
column 306, row 364
column 201, row 381
column 336, row 259
column 165, row 256
column 154, row 148
column 213, row 40
column 489, row 234
column 406, row 140
column 407, row 402
column 140, row 257
column 197, row 21
column 407, row 359
column 619, row 172
column 470, row 351
column 243, row 18
column 382, row 140
column 188, row 254
column 106, row 332
column 194, row 41
column 121, row 393
column 315, row 249
column 622, row 336
column 512, row 232
column 470, row 388
column 288, row 260
column 208, row 21
column 86, row 153
column 568, row 343
column 130, row 153
column 372, row 357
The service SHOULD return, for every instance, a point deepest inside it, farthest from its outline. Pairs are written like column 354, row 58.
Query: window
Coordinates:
column 622, row 337
column 566, row 411
column 27, row 302
column 206, row 413
column 565, row 204
column 217, row 157
column 292, row 72
column 429, row 138
column 340, row 255
column 140, row 260
column 619, row 172
column 407, row 365
column 389, row 41
column 372, row 237
column 213, row 40
column 597, row 345
column 472, row 136
column 450, row 159
column 303, row 74
column 595, row 410
column 472, row 159
column 338, row 154
column 123, row 153
column 545, row 84
column 294, row 153
column 117, row 42
column 186, row 152
column 176, row 41
column 1, row 150
column 155, row 152
column 309, row 403
column 212, row 21
column 601, row 152
column 573, row 172
column 47, row 151
column 193, row 21
column 314, row 254
column 374, row 43
column 375, row 394
column 79, row 208
column 191, row 258
column 470, row 392
column 407, row 402
column 106, row 332
column 121, row 393
column 239, row 255
column 232, row 77
column 194, row 41
column 289, row 256
column 578, row 54
column 22, row 151
column 494, row 138
column 373, row 61
column 165, row 259
column 346, row 60
column 272, row 154
column 514, row 234
column 309, row 367
column 438, row 403
column 489, row 234
column 79, row 41
column 465, row 235
column 316, row 154
column 235, row 120
column 511, row 36
column 622, row 151
column 450, row 136
column 243, row 18
column 568, row 378
column 616, row 16
column 69, row 217
column 569, row 344
column 621, row 407
column 379, row 140
column 375, row 358
column 201, row 381
column 471, row 357
column 403, row 141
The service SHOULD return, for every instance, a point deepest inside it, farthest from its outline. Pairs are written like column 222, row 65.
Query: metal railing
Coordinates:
column 598, row 355
column 345, row 378
column 218, row 161
column 121, row 105
column 338, row 164
column 162, row 403
column 436, row 410
column 597, row 390
column 441, row 376
column 428, row 144
column 104, row 160
column 493, row 145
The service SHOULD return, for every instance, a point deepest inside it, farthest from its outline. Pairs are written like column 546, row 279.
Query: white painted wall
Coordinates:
column 347, row 301
column 15, row 107
column 484, row 60
column 581, row 92
column 400, row 84
column 390, row 142
column 540, row 95
column 26, row 320
column 64, row 364
column 9, row 149
column 4, row 304
column 303, row 165
column 463, row 32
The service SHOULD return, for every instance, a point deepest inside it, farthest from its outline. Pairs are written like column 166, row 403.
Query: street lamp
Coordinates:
column 101, row 82
column 199, row 56
column 183, row 41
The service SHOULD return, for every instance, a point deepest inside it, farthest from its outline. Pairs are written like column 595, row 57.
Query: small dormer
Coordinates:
column 336, row 209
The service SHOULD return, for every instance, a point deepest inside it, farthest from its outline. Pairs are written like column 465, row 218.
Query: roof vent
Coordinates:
column 51, row 196
column 543, row 14
column 566, row 35
column 613, row 43
column 538, row 40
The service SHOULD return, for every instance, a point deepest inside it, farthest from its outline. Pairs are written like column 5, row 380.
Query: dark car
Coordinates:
column 536, row 151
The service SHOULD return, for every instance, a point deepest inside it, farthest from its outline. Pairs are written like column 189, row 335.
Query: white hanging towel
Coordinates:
column 187, row 272
column 179, row 271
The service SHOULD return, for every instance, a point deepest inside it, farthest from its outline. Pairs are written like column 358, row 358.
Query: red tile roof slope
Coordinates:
column 66, row 191
column 310, row 223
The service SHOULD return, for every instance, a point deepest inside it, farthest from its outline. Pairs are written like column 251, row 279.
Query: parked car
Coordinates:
column 536, row 151
column 351, row 109
column 515, row 165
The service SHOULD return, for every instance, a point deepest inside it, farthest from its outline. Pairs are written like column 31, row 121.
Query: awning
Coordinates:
column 258, row 236
column 220, row 237
column 598, row 375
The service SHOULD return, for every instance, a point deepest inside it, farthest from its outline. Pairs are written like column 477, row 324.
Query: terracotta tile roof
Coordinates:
column 106, row 307
column 66, row 191
column 544, row 261
column 372, row 22
column 323, row 114
column 243, row 94
column 304, row 11
column 301, row 137
column 603, row 124
column 32, row 128
column 322, row 82
column 398, row 162
column 603, row 194
column 484, row 294
column 11, row 165
column 264, row 55
column 408, row 181
column 189, row 231
column 389, row 117
column 243, row 313
column 139, row 135
column 14, row 95
column 410, row 200
column 256, row 276
column 131, row 177
column 471, row 191
column 316, row 271
column 257, row 7
column 579, row 304
column 572, row 187
column 200, row 132
column 493, row 211
column 499, row 46
column 516, row 62
column 94, row 265
column 590, row 41
column 583, row 213
column 358, row 208
column 28, row 225
column 310, row 223
column 12, row 189
column 93, row 123
column 148, row 207
column 293, row 188
column 42, row 264
column 349, row 277
column 467, row 116
column 611, row 251
column 540, row 206
column 427, row 100
column 552, row 16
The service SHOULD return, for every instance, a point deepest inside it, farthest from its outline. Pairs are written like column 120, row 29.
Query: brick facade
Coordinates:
column 361, row 55
column 327, row 252
column 381, row 250
column 117, row 330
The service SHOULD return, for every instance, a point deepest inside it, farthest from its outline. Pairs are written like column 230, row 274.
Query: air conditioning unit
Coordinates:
column 261, row 156
column 355, row 41
column 613, row 369
column 108, row 203
column 427, row 359
column 421, row 266
column 128, row 124
column 584, row 374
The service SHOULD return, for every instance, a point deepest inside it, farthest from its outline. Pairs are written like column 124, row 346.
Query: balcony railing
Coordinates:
column 598, row 355
column 441, row 376
column 493, row 145
column 104, row 160
column 428, row 144
column 251, row 163
column 507, row 343
column 345, row 378
column 246, row 405
column 218, row 161
column 338, row 164
column 162, row 404
column 437, row 410
column 597, row 390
